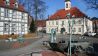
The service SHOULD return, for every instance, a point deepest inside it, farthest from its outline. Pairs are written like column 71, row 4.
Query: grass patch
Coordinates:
column 29, row 35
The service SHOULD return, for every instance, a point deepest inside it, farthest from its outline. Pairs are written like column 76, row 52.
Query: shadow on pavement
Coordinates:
column 95, row 45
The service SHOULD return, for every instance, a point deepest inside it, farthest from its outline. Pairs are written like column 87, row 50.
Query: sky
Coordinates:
column 54, row 5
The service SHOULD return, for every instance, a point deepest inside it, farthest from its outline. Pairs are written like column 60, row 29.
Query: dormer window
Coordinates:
column 7, row 2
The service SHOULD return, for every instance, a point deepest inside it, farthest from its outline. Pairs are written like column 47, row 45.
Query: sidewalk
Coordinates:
column 6, row 45
column 34, row 46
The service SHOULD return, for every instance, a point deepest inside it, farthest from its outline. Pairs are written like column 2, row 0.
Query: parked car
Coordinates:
column 89, row 34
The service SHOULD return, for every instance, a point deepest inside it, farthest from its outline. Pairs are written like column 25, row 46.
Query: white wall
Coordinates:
column 16, row 17
column 80, row 28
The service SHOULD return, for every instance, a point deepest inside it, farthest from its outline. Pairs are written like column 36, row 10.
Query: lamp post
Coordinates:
column 73, row 22
column 70, row 22
column 69, row 49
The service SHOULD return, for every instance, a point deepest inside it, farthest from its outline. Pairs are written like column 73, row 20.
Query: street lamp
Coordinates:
column 70, row 30
column 69, row 49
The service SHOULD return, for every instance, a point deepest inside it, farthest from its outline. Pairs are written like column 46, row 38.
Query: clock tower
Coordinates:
column 67, row 4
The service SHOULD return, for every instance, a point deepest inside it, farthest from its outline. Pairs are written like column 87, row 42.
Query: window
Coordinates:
column 67, row 5
column 14, row 14
column 10, row 11
column 22, row 27
column 7, row 2
column 2, row 18
column 49, row 23
column 52, row 23
column 79, row 29
column 79, row 21
column 13, row 27
column 22, row 15
column 56, row 23
column 6, row 26
column 6, row 13
column 74, row 29
column 62, row 23
column 2, row 14
column 2, row 10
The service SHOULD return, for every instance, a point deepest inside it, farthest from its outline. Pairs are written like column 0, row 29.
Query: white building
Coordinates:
column 13, row 18
column 60, row 20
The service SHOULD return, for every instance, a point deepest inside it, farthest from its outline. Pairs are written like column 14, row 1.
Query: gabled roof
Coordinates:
column 11, row 6
column 62, row 14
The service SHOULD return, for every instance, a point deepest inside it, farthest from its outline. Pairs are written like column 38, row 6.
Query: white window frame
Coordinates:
column 74, row 29
column 22, row 27
column 13, row 28
column 56, row 22
column 79, row 29
column 2, row 10
column 14, row 14
column 6, row 13
column 6, row 26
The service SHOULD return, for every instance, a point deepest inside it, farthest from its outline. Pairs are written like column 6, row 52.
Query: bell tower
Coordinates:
column 67, row 4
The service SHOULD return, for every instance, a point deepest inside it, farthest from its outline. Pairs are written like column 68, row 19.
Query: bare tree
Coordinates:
column 34, row 7
column 92, row 4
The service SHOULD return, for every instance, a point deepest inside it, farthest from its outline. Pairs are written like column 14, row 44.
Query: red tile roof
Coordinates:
column 11, row 6
column 61, row 14
column 41, row 23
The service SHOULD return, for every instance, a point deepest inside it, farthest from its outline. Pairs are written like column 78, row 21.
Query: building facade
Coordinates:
column 64, row 18
column 13, row 18
column 41, row 25
column 95, row 25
